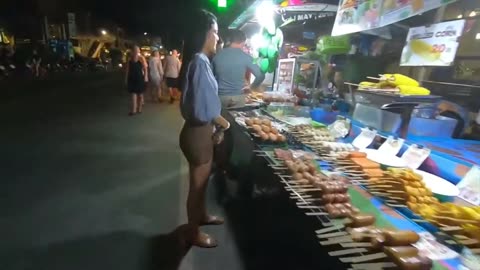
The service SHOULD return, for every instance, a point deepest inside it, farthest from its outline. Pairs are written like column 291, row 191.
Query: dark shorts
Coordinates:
column 196, row 143
column 172, row 82
column 136, row 87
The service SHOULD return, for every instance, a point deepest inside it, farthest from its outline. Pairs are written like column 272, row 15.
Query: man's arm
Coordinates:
column 179, row 65
column 255, row 70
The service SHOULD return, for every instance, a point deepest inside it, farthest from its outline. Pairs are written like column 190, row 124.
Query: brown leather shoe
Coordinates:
column 213, row 220
column 204, row 240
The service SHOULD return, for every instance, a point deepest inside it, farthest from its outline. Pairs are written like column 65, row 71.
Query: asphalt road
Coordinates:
column 84, row 186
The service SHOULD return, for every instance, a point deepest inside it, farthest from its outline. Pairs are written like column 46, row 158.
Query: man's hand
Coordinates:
column 247, row 90
column 218, row 136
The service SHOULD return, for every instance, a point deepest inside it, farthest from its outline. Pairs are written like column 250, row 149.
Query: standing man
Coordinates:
column 230, row 66
column 172, row 70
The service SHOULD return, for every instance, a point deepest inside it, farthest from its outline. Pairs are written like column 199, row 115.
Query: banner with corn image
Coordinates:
column 434, row 45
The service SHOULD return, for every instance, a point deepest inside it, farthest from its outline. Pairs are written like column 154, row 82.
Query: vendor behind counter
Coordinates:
column 230, row 66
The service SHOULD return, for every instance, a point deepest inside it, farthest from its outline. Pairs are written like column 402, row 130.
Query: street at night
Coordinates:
column 239, row 135
column 85, row 186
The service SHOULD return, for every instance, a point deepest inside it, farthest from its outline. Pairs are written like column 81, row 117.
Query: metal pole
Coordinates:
column 47, row 32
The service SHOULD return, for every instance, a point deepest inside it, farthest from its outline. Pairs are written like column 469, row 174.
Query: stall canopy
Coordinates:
column 288, row 12
column 353, row 16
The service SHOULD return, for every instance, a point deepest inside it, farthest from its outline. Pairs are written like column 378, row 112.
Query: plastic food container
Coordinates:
column 385, row 161
column 322, row 116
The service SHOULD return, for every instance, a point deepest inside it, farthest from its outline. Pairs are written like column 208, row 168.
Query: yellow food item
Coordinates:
column 406, row 187
column 385, row 85
column 472, row 230
column 413, row 90
column 398, row 79
column 424, row 50
column 469, row 213
column 368, row 84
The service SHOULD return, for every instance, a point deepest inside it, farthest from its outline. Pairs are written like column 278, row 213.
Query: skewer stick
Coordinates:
column 277, row 167
column 316, row 214
column 396, row 205
column 347, row 252
column 469, row 242
column 313, row 199
column 366, row 258
column 373, row 266
column 309, row 207
column 299, row 193
column 451, row 229
column 332, row 235
column 297, row 186
column 355, row 244
column 330, row 229
column 304, row 190
column 337, row 240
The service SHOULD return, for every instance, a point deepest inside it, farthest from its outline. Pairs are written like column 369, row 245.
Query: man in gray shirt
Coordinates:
column 230, row 66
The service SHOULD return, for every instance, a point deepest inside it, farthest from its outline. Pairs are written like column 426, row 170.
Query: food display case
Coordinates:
column 394, row 191
column 358, row 197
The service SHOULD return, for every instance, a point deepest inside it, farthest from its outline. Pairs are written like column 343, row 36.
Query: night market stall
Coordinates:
column 386, row 181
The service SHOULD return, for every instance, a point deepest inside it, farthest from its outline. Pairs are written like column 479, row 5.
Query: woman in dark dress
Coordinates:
column 204, row 126
column 136, row 78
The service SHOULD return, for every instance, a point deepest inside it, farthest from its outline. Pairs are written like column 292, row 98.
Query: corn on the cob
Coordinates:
column 413, row 90
column 424, row 50
column 385, row 85
column 368, row 85
column 398, row 79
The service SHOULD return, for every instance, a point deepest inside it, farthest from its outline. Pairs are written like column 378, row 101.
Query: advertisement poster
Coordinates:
column 285, row 72
column 360, row 15
column 435, row 45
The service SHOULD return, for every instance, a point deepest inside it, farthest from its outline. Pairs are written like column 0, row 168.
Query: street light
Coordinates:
column 104, row 32
column 145, row 33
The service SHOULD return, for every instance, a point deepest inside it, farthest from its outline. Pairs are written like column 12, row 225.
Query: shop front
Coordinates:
column 386, row 167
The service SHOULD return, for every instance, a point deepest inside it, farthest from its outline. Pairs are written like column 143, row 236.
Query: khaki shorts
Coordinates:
column 232, row 102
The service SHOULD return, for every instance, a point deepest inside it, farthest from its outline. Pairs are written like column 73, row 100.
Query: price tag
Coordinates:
column 415, row 156
column 391, row 146
column 365, row 138
column 430, row 248
column 470, row 186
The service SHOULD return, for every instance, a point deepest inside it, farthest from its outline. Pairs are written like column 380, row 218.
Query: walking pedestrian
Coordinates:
column 156, row 75
column 201, row 109
column 172, row 70
column 135, row 78
column 36, row 62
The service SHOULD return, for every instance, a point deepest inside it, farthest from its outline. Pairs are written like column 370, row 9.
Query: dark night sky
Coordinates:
column 154, row 16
